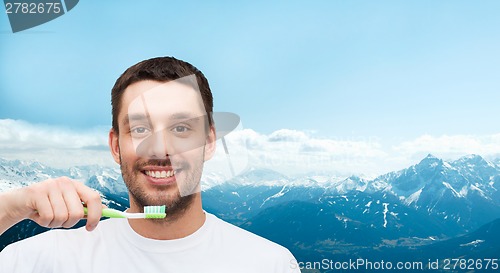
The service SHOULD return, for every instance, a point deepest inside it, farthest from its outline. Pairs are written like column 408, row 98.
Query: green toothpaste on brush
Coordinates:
column 150, row 212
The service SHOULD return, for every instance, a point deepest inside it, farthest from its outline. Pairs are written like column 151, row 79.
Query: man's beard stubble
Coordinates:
column 175, row 204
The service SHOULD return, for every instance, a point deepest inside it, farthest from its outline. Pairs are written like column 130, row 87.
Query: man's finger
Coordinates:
column 58, row 207
column 74, row 206
column 92, row 200
column 44, row 214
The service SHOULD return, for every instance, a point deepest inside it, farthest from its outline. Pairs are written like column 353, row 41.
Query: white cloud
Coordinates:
column 288, row 135
column 453, row 146
column 287, row 151
column 291, row 151
column 22, row 135
column 54, row 146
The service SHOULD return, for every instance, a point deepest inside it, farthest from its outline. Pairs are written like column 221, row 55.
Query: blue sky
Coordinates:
column 393, row 71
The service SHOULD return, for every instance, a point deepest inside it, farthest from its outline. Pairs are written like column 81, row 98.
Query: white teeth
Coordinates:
column 162, row 174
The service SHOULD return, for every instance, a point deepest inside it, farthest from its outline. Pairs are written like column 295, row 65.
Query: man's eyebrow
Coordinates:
column 135, row 117
column 185, row 115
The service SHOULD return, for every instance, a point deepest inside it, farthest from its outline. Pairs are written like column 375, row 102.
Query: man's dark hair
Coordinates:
column 161, row 69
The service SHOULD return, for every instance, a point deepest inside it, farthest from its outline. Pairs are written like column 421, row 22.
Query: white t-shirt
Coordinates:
column 113, row 246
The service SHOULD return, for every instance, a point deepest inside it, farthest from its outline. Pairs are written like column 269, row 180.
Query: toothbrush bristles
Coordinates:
column 155, row 212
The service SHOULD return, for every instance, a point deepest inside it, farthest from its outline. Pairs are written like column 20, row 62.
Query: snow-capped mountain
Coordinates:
column 258, row 177
column 107, row 181
column 465, row 191
column 462, row 194
column 467, row 175
column 432, row 199
column 18, row 173
column 427, row 202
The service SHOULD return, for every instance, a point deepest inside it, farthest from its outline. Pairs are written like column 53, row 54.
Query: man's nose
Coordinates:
column 154, row 146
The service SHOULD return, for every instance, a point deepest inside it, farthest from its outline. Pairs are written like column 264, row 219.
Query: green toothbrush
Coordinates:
column 150, row 212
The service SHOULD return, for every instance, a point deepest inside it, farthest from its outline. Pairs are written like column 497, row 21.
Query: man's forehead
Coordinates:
column 162, row 99
column 156, row 89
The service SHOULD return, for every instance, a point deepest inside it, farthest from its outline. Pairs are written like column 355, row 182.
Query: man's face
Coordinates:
column 162, row 144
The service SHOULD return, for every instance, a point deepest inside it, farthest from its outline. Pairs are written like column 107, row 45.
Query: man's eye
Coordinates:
column 180, row 129
column 140, row 130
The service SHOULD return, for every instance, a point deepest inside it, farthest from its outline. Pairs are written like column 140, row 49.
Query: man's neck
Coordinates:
column 186, row 224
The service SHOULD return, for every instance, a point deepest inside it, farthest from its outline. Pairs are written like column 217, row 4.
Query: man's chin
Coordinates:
column 175, row 204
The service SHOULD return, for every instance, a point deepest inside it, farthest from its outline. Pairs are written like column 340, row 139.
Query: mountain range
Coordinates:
column 433, row 207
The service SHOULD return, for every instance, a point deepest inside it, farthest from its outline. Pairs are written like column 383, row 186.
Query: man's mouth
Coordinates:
column 160, row 174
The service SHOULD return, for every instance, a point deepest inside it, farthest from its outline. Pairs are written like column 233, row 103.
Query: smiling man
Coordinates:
column 162, row 133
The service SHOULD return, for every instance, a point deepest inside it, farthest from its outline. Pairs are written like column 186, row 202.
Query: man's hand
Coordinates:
column 51, row 203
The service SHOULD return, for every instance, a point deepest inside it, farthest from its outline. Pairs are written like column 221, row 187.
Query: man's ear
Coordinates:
column 210, row 144
column 114, row 145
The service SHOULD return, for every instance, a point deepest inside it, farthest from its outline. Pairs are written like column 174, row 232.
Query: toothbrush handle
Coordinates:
column 110, row 213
